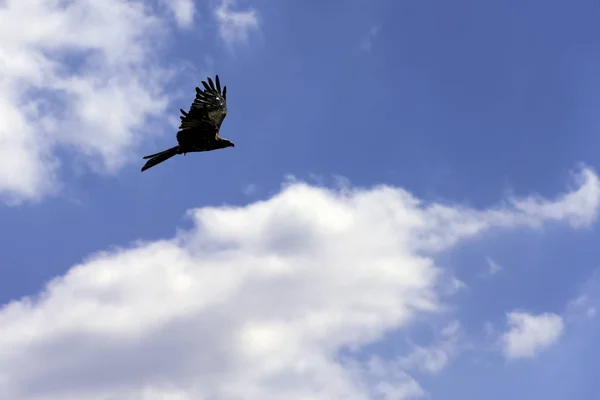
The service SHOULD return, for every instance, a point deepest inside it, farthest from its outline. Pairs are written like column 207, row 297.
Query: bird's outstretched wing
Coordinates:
column 210, row 104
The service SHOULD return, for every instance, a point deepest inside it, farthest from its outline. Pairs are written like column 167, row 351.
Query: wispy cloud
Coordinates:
column 454, row 285
column 434, row 358
column 587, row 302
column 249, row 189
column 578, row 208
column 492, row 267
column 235, row 25
column 367, row 42
column 183, row 11
column 581, row 204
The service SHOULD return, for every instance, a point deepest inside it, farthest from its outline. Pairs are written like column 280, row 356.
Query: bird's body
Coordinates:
column 200, row 126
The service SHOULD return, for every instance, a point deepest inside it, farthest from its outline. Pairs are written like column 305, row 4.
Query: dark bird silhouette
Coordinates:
column 199, row 129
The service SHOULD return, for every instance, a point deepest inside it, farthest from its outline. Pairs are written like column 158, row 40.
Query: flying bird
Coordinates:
column 199, row 128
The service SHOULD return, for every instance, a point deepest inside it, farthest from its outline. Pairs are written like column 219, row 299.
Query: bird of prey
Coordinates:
column 199, row 129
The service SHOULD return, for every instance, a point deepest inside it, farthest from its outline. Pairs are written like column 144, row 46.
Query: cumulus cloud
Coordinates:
column 529, row 334
column 235, row 25
column 81, row 76
column 252, row 302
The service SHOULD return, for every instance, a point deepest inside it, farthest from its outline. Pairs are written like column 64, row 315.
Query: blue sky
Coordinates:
column 410, row 208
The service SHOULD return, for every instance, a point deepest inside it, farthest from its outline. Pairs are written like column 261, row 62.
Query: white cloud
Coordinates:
column 434, row 358
column 367, row 43
column 251, row 303
column 235, row 25
column 579, row 207
column 454, row 285
column 82, row 76
column 488, row 329
column 586, row 303
column 249, row 189
column 183, row 11
column 529, row 334
column 590, row 312
column 493, row 267
column 382, row 379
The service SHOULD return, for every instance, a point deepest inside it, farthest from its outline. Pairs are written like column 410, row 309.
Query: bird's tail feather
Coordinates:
column 157, row 158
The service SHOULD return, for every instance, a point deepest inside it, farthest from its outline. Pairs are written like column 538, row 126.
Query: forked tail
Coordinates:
column 159, row 157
